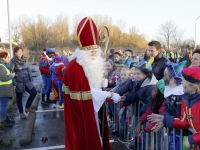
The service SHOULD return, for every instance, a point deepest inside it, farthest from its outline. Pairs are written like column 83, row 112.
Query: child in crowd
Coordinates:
column 157, row 106
column 173, row 94
column 141, row 91
column 116, row 77
column 110, row 72
column 123, row 90
column 57, row 70
column 122, row 80
column 117, row 58
column 189, row 108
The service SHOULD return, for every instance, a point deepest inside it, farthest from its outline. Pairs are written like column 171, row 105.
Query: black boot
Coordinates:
column 6, row 124
column 43, row 100
column 48, row 98
column 8, row 120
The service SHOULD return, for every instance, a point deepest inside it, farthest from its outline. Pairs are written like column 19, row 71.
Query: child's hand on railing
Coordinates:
column 138, row 127
column 154, row 118
column 157, row 126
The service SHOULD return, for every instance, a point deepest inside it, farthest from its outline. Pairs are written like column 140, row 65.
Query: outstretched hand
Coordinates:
column 157, row 126
column 154, row 118
column 123, row 98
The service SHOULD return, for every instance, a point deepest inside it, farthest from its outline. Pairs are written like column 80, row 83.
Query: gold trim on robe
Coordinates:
column 77, row 95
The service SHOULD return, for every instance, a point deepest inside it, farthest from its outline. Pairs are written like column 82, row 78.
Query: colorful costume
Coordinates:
column 57, row 70
column 44, row 67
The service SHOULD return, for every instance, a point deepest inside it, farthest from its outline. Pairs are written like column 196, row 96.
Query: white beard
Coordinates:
column 93, row 68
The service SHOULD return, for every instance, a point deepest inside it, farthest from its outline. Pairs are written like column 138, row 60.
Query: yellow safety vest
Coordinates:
column 6, row 82
column 172, row 55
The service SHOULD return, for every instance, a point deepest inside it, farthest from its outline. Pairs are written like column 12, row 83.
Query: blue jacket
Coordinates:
column 127, row 62
column 141, row 91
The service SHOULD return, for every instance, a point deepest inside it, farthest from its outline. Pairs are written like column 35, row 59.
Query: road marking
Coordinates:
column 54, row 147
column 46, row 148
column 49, row 110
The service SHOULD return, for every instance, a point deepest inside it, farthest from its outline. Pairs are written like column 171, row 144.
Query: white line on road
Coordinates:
column 49, row 110
column 46, row 148
column 54, row 147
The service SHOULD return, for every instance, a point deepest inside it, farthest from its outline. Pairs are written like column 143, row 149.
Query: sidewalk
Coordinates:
column 48, row 129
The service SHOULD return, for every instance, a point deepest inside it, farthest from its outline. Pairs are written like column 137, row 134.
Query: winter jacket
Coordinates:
column 149, row 111
column 158, row 66
column 119, row 84
column 128, row 87
column 6, row 90
column 22, row 73
column 173, row 105
column 189, row 117
column 141, row 92
column 173, row 99
column 127, row 62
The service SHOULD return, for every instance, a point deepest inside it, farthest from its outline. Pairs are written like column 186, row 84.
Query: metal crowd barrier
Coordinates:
column 147, row 141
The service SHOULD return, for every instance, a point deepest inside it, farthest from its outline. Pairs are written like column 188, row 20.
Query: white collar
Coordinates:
column 178, row 90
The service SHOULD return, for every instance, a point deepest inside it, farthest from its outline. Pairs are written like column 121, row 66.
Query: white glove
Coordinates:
column 104, row 83
column 116, row 98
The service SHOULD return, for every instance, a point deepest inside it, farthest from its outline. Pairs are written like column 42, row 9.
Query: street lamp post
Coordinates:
column 9, row 28
column 195, row 31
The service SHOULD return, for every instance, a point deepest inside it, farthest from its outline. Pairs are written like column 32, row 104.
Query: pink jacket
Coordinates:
column 143, row 118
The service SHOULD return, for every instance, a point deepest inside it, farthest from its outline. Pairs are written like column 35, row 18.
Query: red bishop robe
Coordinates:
column 81, row 131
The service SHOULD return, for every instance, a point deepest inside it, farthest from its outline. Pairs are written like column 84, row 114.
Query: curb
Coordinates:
column 35, row 101
column 30, row 121
column 38, row 88
column 28, row 129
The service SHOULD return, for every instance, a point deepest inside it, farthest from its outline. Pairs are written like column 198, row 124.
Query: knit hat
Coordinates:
column 161, row 86
column 50, row 50
column 57, row 58
column 175, row 70
column 192, row 75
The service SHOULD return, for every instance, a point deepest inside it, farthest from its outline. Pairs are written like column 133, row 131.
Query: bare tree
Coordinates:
column 60, row 30
column 169, row 33
column 35, row 33
column 76, row 19
column 15, row 31
column 188, row 43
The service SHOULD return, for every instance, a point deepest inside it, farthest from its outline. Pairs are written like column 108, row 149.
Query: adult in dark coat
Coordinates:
column 20, row 66
column 158, row 65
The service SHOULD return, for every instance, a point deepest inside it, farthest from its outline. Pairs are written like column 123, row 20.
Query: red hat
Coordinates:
column 191, row 75
column 87, row 34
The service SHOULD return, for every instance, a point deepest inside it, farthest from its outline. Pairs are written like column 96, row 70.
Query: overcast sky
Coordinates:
column 146, row 15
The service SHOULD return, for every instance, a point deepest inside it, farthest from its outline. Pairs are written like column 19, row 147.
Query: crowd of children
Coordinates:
column 168, row 102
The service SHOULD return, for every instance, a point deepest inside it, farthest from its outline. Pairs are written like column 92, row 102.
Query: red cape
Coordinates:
column 80, row 125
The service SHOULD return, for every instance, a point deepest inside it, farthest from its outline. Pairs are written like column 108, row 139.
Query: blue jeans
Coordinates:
column 3, row 107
